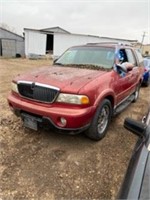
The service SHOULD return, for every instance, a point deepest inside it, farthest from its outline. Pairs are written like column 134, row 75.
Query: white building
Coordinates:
column 11, row 44
column 56, row 40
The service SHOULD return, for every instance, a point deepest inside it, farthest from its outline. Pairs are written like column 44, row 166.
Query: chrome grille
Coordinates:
column 37, row 91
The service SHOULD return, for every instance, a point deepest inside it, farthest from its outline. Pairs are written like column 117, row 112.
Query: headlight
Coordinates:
column 73, row 99
column 14, row 87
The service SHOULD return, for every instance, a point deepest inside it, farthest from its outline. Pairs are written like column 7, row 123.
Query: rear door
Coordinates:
column 126, row 82
column 132, row 75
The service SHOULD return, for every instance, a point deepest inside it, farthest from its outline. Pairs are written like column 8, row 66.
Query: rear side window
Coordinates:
column 139, row 56
column 131, row 57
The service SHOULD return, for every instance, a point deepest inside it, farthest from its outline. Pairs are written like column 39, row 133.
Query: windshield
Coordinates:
column 100, row 57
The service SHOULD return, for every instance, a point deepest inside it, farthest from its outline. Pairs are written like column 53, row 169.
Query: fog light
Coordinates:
column 63, row 121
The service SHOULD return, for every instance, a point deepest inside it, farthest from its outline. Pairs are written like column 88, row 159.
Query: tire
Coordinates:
column 136, row 93
column 100, row 122
column 147, row 82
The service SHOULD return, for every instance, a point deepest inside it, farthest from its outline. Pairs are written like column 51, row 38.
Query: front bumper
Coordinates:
column 76, row 118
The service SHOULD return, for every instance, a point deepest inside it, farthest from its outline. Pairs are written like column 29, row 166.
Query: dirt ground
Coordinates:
column 47, row 165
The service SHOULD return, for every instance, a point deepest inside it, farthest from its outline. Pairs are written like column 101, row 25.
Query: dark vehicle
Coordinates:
column 84, row 88
column 146, row 75
column 136, row 183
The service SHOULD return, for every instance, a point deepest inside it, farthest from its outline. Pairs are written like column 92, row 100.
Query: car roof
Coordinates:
column 106, row 44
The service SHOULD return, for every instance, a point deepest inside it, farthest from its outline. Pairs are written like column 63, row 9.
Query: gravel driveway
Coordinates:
column 48, row 165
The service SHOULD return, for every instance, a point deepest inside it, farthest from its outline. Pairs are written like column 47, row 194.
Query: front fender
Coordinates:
column 106, row 94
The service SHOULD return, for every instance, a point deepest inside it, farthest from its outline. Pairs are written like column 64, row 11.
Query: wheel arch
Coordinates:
column 100, row 122
column 111, row 99
column 141, row 80
column 107, row 95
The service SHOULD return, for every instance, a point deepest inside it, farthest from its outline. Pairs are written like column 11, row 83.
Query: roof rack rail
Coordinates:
column 116, row 43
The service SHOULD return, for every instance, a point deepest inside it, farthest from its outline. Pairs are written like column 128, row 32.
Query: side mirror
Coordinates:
column 138, row 128
column 126, row 66
column 121, row 67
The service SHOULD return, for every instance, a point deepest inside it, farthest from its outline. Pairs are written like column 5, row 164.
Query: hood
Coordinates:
column 68, row 79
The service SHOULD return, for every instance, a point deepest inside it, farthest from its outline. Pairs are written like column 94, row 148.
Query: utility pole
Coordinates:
column 143, row 36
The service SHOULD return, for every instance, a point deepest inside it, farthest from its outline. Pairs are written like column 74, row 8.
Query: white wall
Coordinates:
column 35, row 43
column 63, row 41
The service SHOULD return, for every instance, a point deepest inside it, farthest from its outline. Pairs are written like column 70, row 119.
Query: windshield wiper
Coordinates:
column 87, row 66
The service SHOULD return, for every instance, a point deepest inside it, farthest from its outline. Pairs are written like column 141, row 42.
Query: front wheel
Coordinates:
column 101, row 120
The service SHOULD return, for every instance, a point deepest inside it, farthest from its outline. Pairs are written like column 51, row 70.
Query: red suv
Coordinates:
column 83, row 89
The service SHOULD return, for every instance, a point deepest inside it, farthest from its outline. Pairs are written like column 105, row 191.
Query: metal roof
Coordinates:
column 11, row 32
column 55, row 29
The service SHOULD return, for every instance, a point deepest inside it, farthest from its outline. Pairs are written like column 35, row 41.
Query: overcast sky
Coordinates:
column 126, row 19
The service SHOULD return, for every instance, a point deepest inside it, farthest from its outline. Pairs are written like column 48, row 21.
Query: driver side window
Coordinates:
column 122, row 56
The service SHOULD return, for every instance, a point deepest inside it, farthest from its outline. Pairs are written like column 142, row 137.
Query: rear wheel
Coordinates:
column 100, row 122
column 147, row 82
column 136, row 93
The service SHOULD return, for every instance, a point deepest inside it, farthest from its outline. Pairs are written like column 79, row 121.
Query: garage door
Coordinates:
column 8, row 48
column 35, row 43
